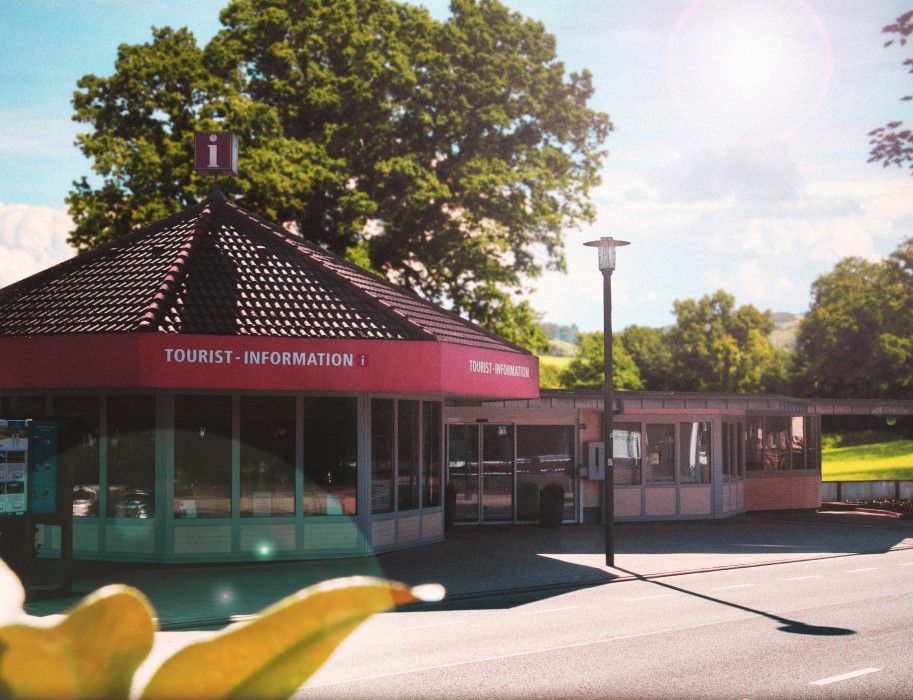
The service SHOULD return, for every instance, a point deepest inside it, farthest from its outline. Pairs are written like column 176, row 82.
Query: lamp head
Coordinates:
column 607, row 246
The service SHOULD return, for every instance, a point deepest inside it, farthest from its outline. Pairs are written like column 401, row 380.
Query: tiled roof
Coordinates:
column 216, row 269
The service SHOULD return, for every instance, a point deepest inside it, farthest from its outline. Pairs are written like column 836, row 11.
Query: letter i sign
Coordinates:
column 215, row 153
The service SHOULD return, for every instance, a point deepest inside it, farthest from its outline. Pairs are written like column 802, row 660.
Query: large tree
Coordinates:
column 447, row 155
column 718, row 347
column 857, row 339
column 893, row 144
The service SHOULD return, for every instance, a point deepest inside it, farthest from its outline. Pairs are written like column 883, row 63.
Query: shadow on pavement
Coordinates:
column 786, row 624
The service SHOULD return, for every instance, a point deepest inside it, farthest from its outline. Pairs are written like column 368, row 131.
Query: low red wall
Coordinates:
column 783, row 491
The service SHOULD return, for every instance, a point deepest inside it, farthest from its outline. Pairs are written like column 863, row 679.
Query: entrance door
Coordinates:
column 484, row 487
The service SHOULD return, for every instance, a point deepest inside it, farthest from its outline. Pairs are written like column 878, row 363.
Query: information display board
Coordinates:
column 14, row 449
column 43, row 467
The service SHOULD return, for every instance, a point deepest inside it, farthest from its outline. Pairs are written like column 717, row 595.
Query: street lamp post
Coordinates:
column 607, row 246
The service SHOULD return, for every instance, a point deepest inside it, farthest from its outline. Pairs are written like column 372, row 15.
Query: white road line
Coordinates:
column 802, row 578
column 845, row 676
column 431, row 624
column 738, row 585
column 856, row 571
column 652, row 597
column 549, row 610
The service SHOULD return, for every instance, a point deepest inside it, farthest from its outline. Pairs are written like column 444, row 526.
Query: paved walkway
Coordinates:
column 476, row 563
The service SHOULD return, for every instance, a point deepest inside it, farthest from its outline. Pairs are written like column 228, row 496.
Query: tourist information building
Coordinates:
column 229, row 391
column 226, row 390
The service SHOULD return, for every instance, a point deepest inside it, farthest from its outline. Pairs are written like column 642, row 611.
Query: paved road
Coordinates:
column 836, row 627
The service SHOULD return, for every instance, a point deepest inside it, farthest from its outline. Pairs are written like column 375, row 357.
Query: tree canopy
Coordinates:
column 857, row 339
column 446, row 155
column 892, row 144
column 718, row 347
column 587, row 369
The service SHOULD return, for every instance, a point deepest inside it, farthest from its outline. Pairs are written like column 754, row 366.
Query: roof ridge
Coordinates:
column 296, row 247
column 304, row 243
column 175, row 274
column 81, row 259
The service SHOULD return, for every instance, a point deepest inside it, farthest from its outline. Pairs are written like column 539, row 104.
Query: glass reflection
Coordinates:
column 202, row 456
column 267, row 456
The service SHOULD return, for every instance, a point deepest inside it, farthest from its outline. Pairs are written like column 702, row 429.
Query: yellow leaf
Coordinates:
column 273, row 654
column 92, row 653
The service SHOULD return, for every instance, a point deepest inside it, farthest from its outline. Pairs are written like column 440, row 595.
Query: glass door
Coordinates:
column 463, row 470
column 497, row 473
column 480, row 467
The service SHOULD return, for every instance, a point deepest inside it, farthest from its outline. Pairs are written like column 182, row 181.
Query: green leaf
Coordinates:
column 92, row 653
column 272, row 655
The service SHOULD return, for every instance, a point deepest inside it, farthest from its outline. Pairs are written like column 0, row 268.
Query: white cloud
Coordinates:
column 752, row 171
column 31, row 239
column 765, row 250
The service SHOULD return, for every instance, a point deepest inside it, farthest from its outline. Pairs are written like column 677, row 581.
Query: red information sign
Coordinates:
column 216, row 153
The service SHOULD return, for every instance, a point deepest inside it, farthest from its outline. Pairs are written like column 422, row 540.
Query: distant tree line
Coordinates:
column 855, row 341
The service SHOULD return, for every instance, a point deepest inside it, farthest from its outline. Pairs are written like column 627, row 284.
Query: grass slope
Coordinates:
column 881, row 461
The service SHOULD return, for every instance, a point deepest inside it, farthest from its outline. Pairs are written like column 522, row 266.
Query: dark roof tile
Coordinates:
column 216, row 269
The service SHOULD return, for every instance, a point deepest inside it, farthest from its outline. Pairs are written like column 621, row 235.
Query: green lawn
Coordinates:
column 880, row 461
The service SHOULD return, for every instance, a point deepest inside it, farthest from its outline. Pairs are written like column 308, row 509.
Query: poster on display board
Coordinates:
column 14, row 449
column 43, row 467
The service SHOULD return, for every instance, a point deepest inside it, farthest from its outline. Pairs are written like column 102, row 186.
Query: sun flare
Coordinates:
column 741, row 68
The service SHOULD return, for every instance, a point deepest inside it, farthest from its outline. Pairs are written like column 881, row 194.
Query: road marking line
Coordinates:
column 549, row 610
column 856, row 571
column 738, row 585
column 652, row 597
column 845, row 676
column 431, row 624
column 802, row 578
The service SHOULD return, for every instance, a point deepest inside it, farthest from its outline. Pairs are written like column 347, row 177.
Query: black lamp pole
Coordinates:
column 606, row 246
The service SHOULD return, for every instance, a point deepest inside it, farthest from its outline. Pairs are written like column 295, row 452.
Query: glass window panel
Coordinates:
column 202, row 456
column 626, row 453
column 25, row 407
column 660, row 461
column 545, row 453
column 431, row 454
column 78, row 445
column 728, row 461
column 694, row 457
column 755, row 444
column 798, row 442
column 739, row 450
column 776, row 442
column 267, row 456
column 381, row 455
column 330, row 455
column 407, row 455
column 131, row 456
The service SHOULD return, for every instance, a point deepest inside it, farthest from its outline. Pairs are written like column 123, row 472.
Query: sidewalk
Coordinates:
column 482, row 562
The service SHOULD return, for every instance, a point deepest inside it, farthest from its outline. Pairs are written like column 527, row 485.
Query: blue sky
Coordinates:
column 738, row 158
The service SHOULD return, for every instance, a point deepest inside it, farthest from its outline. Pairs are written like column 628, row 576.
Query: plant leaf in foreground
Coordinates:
column 92, row 653
column 275, row 653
